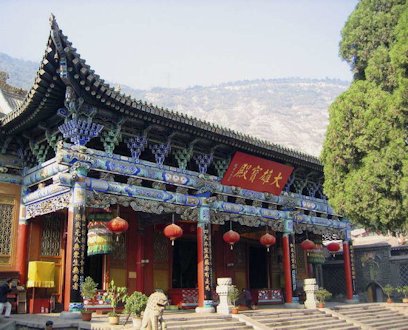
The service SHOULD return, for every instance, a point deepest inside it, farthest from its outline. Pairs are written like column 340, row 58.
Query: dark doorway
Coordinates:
column 258, row 273
column 94, row 268
column 184, row 264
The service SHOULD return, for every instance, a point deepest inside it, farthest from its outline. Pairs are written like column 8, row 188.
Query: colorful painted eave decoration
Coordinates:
column 254, row 173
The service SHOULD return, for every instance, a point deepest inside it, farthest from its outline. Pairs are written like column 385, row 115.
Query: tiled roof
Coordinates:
column 48, row 92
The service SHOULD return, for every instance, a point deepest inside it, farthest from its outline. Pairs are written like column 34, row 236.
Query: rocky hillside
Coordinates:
column 291, row 111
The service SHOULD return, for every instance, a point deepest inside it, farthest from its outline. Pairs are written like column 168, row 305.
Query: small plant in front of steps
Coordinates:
column 389, row 290
column 404, row 291
column 321, row 296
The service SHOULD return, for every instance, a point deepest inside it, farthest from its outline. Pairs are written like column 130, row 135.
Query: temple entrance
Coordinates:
column 94, row 268
column 258, row 272
column 184, row 274
column 374, row 293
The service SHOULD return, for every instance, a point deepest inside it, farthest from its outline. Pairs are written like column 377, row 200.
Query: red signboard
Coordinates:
column 256, row 173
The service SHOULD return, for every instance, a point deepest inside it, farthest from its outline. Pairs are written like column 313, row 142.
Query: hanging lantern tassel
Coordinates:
column 117, row 226
column 231, row 237
column 267, row 240
column 173, row 232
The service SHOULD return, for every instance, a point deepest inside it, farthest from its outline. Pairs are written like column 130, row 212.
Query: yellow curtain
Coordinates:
column 41, row 274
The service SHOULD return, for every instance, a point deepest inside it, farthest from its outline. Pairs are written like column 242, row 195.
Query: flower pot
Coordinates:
column 234, row 310
column 137, row 322
column 405, row 300
column 86, row 315
column 320, row 304
column 389, row 300
column 113, row 320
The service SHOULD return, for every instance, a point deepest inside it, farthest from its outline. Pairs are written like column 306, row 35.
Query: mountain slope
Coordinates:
column 291, row 111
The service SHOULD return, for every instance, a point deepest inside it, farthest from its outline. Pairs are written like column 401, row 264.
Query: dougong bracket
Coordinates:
column 160, row 151
column 203, row 161
column 80, row 131
column 136, row 145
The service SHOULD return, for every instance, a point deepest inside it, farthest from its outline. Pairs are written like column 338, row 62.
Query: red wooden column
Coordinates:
column 347, row 270
column 139, row 258
column 22, row 242
column 287, row 268
column 22, row 251
column 204, row 264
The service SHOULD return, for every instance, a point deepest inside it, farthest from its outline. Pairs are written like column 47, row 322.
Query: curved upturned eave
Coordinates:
column 47, row 91
column 101, row 92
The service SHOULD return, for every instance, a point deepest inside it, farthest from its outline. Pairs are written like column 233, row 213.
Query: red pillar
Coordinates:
column 286, row 268
column 347, row 270
column 22, row 251
column 139, row 258
column 200, row 266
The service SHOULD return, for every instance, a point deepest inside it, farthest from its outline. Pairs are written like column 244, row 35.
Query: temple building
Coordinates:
column 190, row 201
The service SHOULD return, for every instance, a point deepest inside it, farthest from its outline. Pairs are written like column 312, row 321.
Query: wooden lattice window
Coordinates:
column 160, row 248
column 6, row 226
column 118, row 256
column 51, row 236
column 404, row 274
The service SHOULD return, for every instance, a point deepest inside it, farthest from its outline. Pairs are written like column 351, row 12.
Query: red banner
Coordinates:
column 256, row 173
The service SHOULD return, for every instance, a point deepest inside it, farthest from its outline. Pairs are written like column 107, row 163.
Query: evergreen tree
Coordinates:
column 365, row 152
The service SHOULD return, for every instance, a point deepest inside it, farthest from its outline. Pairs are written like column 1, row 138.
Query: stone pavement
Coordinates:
column 257, row 319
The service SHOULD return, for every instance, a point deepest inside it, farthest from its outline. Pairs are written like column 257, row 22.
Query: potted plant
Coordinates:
column 321, row 296
column 388, row 290
column 233, row 296
column 114, row 294
column 135, row 304
column 404, row 291
column 88, row 291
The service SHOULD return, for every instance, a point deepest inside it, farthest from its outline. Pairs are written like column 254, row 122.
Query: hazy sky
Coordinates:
column 184, row 43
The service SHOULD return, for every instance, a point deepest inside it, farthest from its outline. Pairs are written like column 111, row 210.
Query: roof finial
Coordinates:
column 52, row 19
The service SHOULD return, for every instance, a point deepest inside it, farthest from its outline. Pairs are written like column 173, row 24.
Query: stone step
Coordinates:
column 287, row 313
column 302, row 325
column 197, row 323
column 375, row 318
column 212, row 327
column 390, row 322
column 277, row 317
column 280, row 314
column 364, row 316
column 289, row 319
column 395, row 326
column 347, row 311
column 333, row 324
column 346, row 326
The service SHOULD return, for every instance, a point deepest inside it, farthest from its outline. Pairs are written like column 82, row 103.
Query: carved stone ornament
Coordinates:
column 48, row 206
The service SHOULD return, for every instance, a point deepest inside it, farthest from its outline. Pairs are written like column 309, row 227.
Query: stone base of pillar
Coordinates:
column 70, row 315
column 205, row 309
column 310, row 287
column 223, row 287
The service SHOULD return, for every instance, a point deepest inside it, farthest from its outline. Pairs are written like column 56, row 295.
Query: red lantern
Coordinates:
column 173, row 232
column 333, row 247
column 231, row 237
column 117, row 226
column 267, row 240
column 307, row 244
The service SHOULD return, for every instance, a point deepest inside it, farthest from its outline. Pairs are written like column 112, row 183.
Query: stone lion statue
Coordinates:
column 152, row 317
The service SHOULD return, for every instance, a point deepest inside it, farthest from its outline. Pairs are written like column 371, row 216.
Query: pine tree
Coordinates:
column 365, row 152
